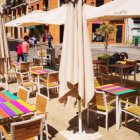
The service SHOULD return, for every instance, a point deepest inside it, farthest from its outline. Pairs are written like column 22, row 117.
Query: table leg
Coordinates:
column 117, row 114
column 121, row 75
column 38, row 83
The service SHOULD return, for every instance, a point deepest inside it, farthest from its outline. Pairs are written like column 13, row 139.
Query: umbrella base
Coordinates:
column 73, row 134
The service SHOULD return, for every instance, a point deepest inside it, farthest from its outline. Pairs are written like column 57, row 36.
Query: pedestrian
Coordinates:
column 25, row 48
column 34, row 41
column 50, row 38
column 19, row 52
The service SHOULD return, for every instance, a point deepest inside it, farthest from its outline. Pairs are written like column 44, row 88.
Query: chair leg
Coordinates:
column 48, row 93
column 46, row 129
column 106, row 122
column 125, row 119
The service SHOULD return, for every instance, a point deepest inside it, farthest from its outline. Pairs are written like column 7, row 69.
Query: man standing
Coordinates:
column 50, row 38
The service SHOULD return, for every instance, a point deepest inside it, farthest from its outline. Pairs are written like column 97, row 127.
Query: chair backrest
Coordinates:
column 100, row 99
column 27, row 129
column 42, row 53
column 104, row 72
column 36, row 68
column 41, row 103
column 23, row 93
column 24, row 67
column 36, row 62
column 19, row 77
column 97, row 81
column 52, row 77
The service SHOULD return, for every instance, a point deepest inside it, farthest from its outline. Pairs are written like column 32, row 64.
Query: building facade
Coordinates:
column 128, row 30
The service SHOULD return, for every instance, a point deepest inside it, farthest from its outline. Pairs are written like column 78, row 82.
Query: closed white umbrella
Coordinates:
column 76, row 62
column 4, row 51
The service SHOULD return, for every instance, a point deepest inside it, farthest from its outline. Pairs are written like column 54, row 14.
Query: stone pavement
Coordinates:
column 62, row 118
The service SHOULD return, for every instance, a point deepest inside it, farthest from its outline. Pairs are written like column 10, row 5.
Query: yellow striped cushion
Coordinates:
column 49, row 84
column 28, row 84
column 133, row 109
column 102, row 108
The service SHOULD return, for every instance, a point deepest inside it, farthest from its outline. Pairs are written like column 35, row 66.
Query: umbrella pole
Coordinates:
column 80, row 116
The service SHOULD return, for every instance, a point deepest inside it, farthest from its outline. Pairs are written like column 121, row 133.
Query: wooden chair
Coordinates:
column 57, row 63
column 50, row 82
column 27, row 83
column 41, row 106
column 23, row 94
column 24, row 130
column 24, row 67
column 130, row 108
column 99, row 105
column 42, row 54
column 36, row 62
column 131, row 71
column 107, row 77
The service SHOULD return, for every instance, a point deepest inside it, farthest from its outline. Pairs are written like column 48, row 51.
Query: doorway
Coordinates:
column 119, row 34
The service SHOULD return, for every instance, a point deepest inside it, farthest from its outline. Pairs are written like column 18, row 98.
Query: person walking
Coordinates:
column 34, row 41
column 25, row 48
column 19, row 52
column 50, row 38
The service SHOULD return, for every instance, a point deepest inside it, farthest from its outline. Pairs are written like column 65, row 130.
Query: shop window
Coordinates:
column 95, row 37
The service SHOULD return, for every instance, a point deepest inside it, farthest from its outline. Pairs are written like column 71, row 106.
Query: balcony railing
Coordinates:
column 14, row 2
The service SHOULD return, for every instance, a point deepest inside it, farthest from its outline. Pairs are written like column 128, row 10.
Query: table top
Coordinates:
column 44, row 71
column 122, row 66
column 11, row 105
column 117, row 89
column 98, row 62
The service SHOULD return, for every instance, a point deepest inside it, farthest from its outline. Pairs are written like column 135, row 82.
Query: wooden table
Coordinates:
column 122, row 68
column 41, row 72
column 117, row 90
column 11, row 106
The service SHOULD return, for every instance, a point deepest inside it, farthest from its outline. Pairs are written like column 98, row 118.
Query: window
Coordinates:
column 32, row 8
column 62, row 2
column 37, row 6
column 99, row 3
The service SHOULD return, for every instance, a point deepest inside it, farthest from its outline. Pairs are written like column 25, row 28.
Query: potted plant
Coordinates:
column 107, row 29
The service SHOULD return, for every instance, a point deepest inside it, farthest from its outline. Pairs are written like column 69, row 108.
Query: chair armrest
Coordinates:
column 111, row 102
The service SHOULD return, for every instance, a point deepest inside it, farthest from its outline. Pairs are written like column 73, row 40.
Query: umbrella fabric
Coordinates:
column 76, row 65
column 4, row 49
column 27, row 19
column 56, row 16
column 130, row 9
column 116, row 9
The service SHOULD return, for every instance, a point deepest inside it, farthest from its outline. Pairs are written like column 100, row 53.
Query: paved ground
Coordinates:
column 62, row 118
